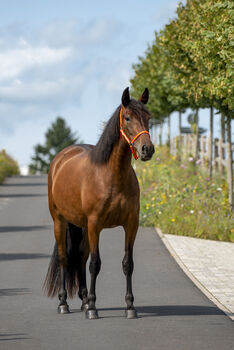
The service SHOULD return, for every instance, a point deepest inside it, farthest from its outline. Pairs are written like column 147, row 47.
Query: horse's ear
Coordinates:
column 125, row 97
column 145, row 96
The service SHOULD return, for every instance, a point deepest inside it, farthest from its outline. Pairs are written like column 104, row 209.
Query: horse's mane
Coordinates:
column 100, row 154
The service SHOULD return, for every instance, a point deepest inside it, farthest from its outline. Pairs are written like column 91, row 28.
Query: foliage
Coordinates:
column 58, row 136
column 190, row 63
column 8, row 166
column 181, row 199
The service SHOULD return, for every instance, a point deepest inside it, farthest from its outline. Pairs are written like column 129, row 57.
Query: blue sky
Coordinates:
column 73, row 59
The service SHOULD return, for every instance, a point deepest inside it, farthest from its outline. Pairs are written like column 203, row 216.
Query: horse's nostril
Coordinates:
column 144, row 149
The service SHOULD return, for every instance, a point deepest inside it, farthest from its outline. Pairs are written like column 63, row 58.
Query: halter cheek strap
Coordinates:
column 130, row 142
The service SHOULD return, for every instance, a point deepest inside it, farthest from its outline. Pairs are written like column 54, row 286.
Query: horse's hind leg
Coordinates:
column 130, row 235
column 84, row 254
column 60, row 227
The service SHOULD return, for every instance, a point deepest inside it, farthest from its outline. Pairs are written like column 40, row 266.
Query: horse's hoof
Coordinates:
column 63, row 309
column 131, row 313
column 84, row 307
column 91, row 314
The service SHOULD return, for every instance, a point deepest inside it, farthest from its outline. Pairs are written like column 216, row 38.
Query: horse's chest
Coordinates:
column 115, row 210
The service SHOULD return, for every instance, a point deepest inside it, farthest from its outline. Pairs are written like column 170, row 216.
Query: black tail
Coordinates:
column 52, row 282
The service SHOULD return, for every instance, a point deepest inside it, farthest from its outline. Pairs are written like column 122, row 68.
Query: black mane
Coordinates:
column 100, row 154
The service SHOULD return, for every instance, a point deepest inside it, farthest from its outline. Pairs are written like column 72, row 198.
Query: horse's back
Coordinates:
column 67, row 154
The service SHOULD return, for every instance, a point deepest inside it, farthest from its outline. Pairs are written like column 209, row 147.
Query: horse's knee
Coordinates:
column 95, row 264
column 128, row 265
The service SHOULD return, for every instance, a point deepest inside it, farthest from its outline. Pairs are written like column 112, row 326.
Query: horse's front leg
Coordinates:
column 128, row 265
column 94, row 268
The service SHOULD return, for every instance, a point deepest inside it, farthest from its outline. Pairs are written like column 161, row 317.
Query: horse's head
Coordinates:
column 134, row 124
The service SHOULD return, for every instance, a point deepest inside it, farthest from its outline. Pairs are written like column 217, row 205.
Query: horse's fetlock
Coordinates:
column 92, row 298
column 63, row 295
column 129, row 298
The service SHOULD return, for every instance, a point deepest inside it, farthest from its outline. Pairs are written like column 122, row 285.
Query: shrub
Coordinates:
column 8, row 166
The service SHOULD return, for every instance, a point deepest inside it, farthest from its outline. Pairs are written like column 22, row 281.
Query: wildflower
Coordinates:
column 191, row 211
column 158, row 159
column 160, row 212
column 183, row 166
column 207, row 179
column 219, row 189
column 173, row 220
column 190, row 159
column 198, row 161
column 194, row 191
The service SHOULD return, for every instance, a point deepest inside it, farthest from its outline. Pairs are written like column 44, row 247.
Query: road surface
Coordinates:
column 173, row 313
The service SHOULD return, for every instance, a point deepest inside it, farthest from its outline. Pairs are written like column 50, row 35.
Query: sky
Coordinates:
column 72, row 59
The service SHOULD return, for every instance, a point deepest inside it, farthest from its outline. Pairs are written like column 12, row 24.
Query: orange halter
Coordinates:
column 131, row 143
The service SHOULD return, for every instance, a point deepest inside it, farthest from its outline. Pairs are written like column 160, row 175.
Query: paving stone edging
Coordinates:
column 192, row 277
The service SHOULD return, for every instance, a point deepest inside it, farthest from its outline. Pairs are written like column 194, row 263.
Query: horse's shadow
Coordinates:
column 164, row 310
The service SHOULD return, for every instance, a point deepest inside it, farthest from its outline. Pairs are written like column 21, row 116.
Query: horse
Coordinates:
column 91, row 188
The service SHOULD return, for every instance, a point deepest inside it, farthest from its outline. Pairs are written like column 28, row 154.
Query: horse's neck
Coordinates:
column 120, row 159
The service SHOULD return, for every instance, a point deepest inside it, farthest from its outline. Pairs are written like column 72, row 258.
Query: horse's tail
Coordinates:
column 52, row 282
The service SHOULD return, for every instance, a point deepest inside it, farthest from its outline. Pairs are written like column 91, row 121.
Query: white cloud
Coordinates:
column 14, row 62
column 40, row 91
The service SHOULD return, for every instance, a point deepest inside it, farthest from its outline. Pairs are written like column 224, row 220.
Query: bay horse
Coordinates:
column 91, row 188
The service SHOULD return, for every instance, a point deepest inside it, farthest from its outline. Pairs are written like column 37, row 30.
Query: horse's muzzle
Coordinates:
column 146, row 152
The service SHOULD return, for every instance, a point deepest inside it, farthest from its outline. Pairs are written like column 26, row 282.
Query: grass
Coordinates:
column 181, row 199
column 8, row 166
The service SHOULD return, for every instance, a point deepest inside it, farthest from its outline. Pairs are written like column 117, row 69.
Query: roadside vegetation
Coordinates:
column 181, row 199
column 8, row 166
column 189, row 65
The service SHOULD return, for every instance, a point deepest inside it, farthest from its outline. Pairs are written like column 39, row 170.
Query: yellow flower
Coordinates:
column 173, row 220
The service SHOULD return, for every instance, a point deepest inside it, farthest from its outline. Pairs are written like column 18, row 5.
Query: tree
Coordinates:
column 58, row 136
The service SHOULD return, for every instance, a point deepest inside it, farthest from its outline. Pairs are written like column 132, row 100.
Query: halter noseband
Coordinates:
column 131, row 143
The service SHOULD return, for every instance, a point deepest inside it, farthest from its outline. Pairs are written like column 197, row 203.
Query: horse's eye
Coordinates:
column 127, row 118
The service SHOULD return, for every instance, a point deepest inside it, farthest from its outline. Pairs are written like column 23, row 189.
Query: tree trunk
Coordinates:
column 211, row 142
column 156, row 133
column 229, row 164
column 160, row 133
column 169, row 131
column 180, row 138
column 197, row 137
column 222, row 140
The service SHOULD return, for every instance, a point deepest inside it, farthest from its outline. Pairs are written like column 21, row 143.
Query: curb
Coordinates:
column 202, row 288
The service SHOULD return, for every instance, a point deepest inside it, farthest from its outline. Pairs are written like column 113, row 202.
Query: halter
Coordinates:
column 131, row 143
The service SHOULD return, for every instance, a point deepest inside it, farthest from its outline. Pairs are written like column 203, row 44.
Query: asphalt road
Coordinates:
column 173, row 313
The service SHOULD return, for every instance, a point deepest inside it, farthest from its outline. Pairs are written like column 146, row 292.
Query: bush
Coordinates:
column 8, row 166
column 181, row 199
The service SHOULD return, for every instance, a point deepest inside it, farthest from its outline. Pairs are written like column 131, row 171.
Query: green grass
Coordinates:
column 8, row 166
column 179, row 198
